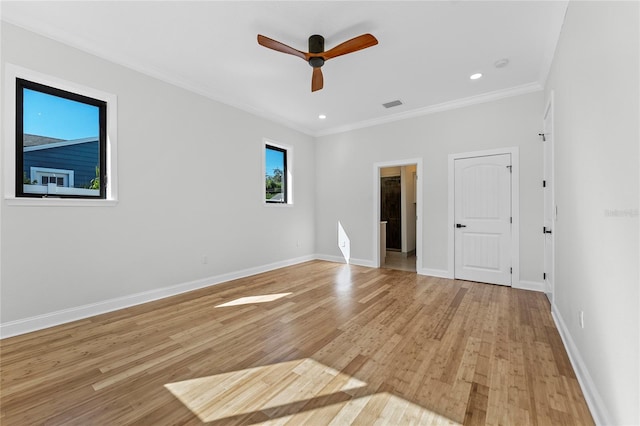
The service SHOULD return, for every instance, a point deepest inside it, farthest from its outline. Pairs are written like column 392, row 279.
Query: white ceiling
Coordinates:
column 427, row 50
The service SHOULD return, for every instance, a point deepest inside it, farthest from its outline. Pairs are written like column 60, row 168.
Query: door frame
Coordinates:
column 515, row 208
column 376, row 207
column 549, row 285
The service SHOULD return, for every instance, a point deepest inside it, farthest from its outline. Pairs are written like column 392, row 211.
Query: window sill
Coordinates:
column 59, row 202
column 277, row 204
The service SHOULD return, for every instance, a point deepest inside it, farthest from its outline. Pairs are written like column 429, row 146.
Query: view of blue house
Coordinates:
column 65, row 163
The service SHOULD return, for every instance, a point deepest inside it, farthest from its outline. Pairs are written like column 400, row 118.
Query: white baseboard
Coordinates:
column 26, row 325
column 439, row 273
column 362, row 262
column 529, row 285
column 339, row 259
column 597, row 407
column 329, row 258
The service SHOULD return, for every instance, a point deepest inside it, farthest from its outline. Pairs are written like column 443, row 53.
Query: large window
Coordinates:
column 61, row 143
column 275, row 174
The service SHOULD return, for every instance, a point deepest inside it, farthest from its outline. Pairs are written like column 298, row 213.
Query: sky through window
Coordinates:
column 60, row 118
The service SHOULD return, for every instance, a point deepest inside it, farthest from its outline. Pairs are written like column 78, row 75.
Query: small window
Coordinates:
column 60, row 143
column 275, row 174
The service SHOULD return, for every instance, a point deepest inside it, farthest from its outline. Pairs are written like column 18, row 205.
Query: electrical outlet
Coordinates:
column 581, row 318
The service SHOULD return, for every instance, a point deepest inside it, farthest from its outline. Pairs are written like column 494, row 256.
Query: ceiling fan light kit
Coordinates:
column 316, row 57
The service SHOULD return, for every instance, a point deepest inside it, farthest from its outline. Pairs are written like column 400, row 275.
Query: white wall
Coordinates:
column 190, row 185
column 345, row 165
column 595, row 77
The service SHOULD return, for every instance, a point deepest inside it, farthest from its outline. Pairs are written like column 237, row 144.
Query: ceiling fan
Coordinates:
column 317, row 56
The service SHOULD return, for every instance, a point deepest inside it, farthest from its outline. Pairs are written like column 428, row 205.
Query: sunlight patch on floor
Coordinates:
column 380, row 408
column 301, row 392
column 254, row 299
column 276, row 387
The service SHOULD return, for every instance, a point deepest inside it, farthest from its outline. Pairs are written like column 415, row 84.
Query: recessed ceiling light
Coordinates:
column 475, row 76
column 322, row 116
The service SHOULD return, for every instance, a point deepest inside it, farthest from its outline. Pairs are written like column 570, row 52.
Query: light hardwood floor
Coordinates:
column 332, row 344
column 395, row 260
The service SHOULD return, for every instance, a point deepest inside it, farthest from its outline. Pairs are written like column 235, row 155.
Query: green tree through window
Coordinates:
column 275, row 174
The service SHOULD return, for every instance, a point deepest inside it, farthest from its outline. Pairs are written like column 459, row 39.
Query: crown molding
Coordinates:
column 432, row 109
column 62, row 36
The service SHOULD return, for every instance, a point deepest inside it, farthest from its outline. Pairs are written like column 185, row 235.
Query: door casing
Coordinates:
column 376, row 208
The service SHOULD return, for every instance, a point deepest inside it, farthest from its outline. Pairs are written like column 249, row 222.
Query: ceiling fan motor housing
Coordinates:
column 316, row 45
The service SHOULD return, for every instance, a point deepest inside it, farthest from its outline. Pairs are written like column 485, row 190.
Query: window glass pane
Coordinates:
column 275, row 168
column 61, row 145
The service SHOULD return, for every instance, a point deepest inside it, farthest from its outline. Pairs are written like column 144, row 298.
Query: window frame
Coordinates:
column 287, row 172
column 284, row 173
column 8, row 152
column 21, row 85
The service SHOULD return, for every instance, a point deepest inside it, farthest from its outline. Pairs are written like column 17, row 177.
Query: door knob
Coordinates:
column 545, row 230
column 458, row 225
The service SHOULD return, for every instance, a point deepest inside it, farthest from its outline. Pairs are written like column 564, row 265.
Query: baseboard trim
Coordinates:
column 409, row 253
column 438, row 273
column 530, row 285
column 40, row 322
column 362, row 262
column 339, row 259
column 598, row 410
column 329, row 258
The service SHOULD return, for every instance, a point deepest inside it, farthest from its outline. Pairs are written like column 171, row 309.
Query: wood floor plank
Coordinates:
column 339, row 344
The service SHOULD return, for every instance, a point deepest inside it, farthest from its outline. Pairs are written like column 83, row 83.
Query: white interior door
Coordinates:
column 482, row 212
column 549, row 204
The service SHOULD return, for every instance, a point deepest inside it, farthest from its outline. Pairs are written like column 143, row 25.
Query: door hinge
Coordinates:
column 511, row 270
column 544, row 183
column 511, row 219
column 544, row 275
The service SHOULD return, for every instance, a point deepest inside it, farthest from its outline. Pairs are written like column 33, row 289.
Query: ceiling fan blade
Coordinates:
column 353, row 45
column 317, row 80
column 280, row 47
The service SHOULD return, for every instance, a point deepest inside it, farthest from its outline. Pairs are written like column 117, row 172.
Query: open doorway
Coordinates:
column 398, row 207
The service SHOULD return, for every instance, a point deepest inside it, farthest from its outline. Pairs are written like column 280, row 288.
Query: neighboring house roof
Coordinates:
column 37, row 143
column 35, row 140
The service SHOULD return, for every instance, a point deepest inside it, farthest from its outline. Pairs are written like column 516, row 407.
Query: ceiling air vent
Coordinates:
column 392, row 104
